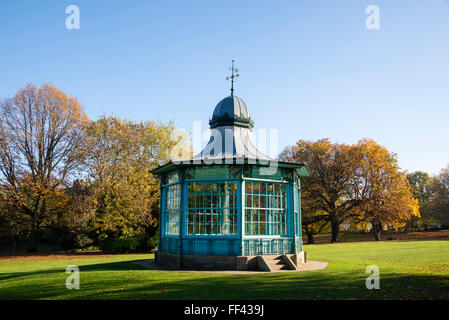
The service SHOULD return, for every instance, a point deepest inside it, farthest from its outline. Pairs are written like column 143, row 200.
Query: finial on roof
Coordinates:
column 232, row 77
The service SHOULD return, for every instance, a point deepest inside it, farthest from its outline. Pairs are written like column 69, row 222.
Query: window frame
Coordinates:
column 235, row 224
column 172, row 228
column 284, row 219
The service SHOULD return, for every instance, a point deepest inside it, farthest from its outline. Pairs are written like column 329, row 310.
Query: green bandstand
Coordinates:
column 231, row 207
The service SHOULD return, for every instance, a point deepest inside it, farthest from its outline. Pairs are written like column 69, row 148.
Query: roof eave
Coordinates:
column 301, row 168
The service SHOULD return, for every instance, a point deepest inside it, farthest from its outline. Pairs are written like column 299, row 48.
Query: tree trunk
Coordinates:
column 33, row 242
column 310, row 239
column 34, row 239
column 377, row 229
column 335, row 227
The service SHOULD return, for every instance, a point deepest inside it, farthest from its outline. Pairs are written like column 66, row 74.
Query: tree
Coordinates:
column 314, row 220
column 332, row 169
column 384, row 193
column 120, row 155
column 41, row 130
column 314, row 223
column 420, row 183
column 439, row 201
column 73, row 229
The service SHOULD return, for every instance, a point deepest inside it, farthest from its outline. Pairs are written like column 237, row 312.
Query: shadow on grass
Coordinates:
column 112, row 266
column 126, row 280
column 62, row 254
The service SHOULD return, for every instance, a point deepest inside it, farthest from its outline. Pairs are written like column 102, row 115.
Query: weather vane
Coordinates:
column 234, row 74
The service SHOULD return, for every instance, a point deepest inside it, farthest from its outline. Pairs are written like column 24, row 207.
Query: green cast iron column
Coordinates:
column 241, row 211
column 183, row 187
column 291, row 214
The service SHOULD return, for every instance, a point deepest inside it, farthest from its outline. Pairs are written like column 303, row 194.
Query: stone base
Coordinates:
column 299, row 258
column 200, row 262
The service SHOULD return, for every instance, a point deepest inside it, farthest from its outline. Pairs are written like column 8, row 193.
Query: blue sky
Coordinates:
column 310, row 69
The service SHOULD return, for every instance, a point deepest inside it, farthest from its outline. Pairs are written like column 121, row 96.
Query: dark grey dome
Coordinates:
column 231, row 111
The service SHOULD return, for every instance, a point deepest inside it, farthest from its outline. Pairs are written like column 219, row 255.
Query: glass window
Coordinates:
column 265, row 208
column 172, row 208
column 212, row 208
column 297, row 211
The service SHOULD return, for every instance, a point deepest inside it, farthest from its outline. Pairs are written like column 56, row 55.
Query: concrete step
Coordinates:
column 275, row 262
column 272, row 263
column 278, row 267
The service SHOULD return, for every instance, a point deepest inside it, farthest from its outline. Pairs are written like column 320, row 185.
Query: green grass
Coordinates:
column 408, row 270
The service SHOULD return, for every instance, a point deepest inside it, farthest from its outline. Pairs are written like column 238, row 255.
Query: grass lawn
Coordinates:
column 408, row 270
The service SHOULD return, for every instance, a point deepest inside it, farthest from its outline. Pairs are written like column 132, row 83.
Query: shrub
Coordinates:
column 82, row 241
column 125, row 245
column 65, row 241
column 152, row 242
column 130, row 244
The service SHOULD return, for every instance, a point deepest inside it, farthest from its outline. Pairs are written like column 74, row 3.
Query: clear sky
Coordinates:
column 310, row 69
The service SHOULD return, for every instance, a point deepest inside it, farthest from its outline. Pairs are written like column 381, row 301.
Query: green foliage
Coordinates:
column 129, row 244
column 120, row 156
column 115, row 196
column 153, row 241
column 420, row 182
column 421, row 185
column 125, row 245
column 82, row 241
column 440, row 198
column 433, row 196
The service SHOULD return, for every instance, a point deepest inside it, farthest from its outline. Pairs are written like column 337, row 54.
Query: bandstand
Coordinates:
column 231, row 207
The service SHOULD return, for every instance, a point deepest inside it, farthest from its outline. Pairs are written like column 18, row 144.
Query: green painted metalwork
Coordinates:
column 267, row 173
column 211, row 246
column 212, row 208
column 235, row 171
column 297, row 211
column 172, row 208
column 169, row 245
column 258, row 172
column 173, row 177
column 265, row 208
column 253, row 247
column 212, row 172
column 225, row 213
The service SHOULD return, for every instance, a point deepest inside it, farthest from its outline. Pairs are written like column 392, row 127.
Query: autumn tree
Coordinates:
column 74, row 227
column 384, row 194
column 332, row 167
column 41, row 130
column 120, row 155
column 313, row 221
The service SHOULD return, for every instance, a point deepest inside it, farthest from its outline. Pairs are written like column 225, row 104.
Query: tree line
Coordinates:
column 72, row 181
column 362, row 187
column 76, row 182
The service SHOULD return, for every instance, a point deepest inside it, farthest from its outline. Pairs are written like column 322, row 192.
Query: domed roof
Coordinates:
column 231, row 111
